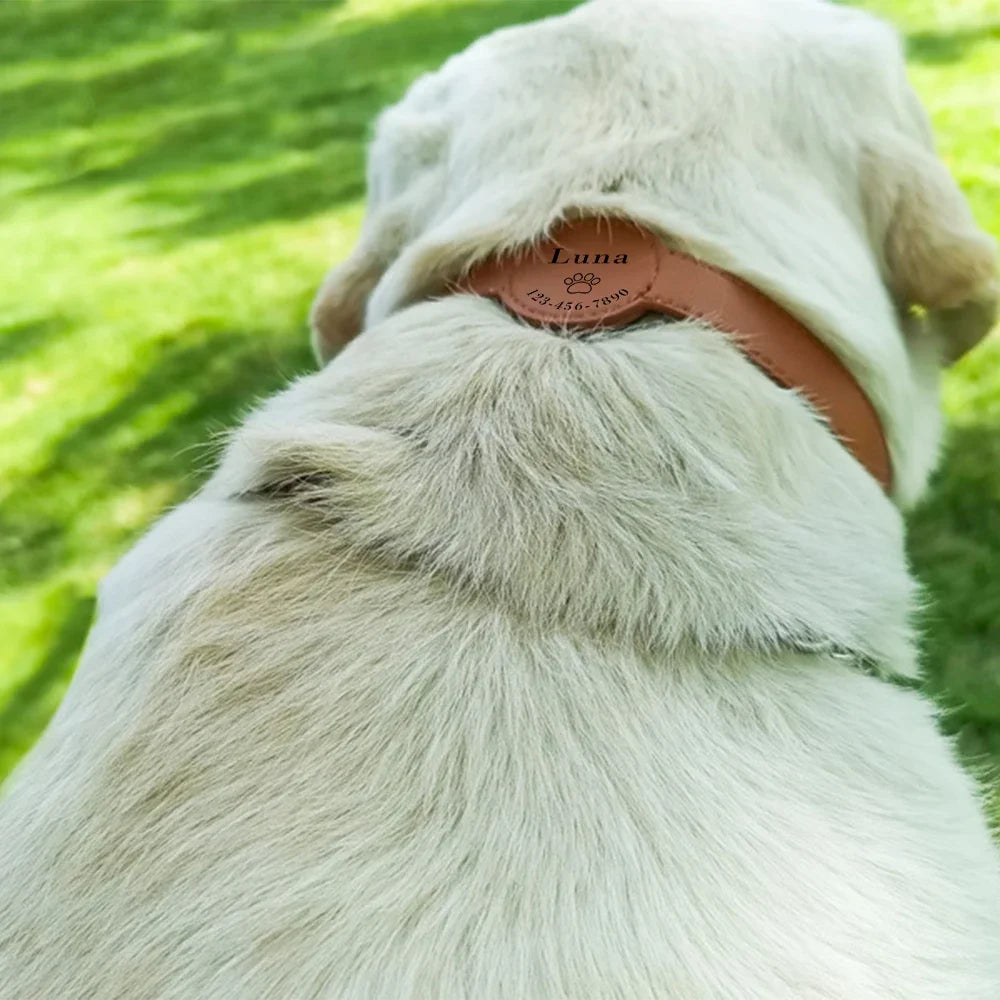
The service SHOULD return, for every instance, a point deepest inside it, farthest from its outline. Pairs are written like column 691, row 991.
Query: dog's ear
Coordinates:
column 338, row 311
column 934, row 256
column 406, row 183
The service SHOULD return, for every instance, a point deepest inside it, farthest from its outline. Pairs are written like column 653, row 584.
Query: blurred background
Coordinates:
column 176, row 176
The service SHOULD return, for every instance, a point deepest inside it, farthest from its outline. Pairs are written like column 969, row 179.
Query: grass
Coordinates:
column 175, row 176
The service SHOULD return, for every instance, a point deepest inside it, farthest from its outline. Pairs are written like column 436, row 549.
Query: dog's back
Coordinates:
column 426, row 705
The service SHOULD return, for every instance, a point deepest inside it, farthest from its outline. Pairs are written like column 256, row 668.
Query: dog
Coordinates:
column 497, row 660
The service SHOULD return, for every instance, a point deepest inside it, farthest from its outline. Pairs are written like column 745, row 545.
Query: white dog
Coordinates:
column 493, row 663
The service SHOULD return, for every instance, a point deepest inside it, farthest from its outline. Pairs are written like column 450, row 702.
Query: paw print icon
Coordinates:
column 581, row 283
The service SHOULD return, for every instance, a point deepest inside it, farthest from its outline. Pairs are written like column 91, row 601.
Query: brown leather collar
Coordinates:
column 605, row 273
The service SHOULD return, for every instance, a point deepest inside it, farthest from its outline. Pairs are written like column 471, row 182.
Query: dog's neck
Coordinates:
column 650, row 489
column 597, row 274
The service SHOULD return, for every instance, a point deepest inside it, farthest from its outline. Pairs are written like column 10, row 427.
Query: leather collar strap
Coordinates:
column 605, row 273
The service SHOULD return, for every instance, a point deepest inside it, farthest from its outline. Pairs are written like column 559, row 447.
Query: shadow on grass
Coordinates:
column 159, row 432
column 954, row 545
column 293, row 192
column 949, row 46
column 81, row 29
column 28, row 708
column 19, row 339
column 171, row 119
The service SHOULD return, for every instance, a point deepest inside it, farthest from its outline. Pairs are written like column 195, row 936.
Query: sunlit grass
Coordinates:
column 176, row 175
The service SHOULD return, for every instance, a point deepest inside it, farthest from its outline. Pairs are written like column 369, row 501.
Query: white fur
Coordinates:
column 492, row 664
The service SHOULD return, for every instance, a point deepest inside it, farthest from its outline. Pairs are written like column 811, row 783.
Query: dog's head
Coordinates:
column 778, row 139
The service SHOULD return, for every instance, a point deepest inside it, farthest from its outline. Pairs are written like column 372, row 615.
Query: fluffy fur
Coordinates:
column 492, row 664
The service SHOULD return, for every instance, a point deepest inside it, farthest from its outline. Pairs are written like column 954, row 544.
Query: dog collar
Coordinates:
column 595, row 274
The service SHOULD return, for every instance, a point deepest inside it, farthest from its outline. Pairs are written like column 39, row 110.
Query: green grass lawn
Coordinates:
column 175, row 176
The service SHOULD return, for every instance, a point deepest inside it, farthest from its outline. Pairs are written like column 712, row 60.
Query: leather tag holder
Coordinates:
column 595, row 274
